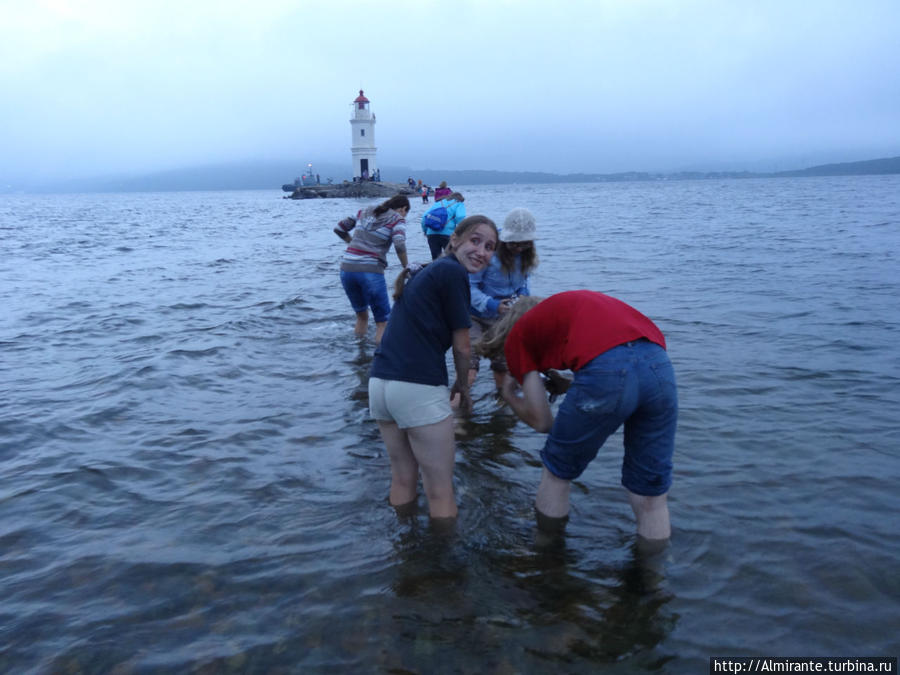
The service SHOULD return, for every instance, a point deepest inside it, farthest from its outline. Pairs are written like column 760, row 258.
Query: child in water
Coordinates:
column 408, row 384
column 503, row 281
column 362, row 266
column 622, row 376
column 456, row 212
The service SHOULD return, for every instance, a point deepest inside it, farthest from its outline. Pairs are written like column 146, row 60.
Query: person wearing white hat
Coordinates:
column 496, row 288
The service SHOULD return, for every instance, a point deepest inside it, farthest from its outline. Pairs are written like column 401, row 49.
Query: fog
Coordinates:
column 100, row 87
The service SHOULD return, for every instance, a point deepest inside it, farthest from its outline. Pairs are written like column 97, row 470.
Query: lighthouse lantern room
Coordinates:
column 362, row 142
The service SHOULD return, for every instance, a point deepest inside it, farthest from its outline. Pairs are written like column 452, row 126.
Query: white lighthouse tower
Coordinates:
column 362, row 140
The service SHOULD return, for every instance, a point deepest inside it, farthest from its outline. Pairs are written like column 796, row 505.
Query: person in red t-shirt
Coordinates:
column 622, row 375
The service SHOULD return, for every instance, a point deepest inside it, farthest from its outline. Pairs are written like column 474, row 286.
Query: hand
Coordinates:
column 556, row 383
column 504, row 306
column 465, row 398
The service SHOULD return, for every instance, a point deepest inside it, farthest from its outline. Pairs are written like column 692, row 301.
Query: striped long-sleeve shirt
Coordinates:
column 372, row 237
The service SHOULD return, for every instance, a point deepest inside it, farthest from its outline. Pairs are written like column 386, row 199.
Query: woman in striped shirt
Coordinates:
column 374, row 229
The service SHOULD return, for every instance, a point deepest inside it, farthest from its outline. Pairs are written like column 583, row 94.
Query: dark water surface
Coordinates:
column 190, row 482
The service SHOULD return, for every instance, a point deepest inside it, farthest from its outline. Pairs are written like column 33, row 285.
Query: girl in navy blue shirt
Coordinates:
column 408, row 385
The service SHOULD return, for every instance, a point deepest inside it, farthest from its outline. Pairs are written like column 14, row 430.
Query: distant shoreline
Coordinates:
column 263, row 176
column 871, row 167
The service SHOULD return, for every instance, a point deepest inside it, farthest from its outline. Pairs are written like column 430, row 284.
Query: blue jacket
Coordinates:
column 492, row 284
column 456, row 211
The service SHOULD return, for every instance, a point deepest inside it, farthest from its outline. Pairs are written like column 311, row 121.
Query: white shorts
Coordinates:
column 408, row 404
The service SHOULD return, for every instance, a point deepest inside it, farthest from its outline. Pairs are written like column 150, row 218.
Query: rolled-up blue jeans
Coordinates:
column 632, row 384
column 367, row 289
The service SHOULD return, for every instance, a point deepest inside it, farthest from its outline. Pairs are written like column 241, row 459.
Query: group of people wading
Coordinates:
column 474, row 298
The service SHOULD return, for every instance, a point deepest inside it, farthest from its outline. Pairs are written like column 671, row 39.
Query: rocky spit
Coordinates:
column 347, row 189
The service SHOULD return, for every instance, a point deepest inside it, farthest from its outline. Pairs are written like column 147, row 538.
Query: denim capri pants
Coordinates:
column 632, row 384
column 367, row 289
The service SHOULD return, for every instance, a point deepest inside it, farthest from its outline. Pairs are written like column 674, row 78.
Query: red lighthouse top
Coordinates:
column 360, row 98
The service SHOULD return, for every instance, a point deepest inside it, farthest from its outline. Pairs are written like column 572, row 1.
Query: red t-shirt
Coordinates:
column 567, row 330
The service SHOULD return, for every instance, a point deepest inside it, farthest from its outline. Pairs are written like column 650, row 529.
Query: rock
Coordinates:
column 354, row 190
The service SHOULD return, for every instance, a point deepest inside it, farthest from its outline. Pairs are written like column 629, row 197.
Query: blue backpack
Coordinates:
column 435, row 218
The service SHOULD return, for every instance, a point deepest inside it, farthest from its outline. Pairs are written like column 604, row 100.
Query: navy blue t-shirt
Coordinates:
column 420, row 329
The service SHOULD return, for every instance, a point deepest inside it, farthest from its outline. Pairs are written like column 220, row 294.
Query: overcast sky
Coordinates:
column 96, row 87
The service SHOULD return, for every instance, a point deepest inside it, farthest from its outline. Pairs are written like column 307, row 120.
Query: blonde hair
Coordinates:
column 492, row 342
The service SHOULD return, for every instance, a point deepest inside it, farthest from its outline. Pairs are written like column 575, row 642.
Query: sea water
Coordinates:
column 191, row 481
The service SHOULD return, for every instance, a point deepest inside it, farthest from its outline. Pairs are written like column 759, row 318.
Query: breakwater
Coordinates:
column 367, row 189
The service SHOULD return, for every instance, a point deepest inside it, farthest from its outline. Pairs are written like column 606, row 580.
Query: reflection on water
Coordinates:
column 509, row 606
column 191, row 481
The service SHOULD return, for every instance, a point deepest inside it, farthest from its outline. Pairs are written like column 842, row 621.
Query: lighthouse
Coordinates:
column 362, row 139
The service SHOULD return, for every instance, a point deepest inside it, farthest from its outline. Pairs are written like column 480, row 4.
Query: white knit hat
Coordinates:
column 518, row 226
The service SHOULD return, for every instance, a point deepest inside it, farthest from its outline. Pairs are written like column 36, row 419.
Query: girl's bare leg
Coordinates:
column 652, row 514
column 434, row 450
column 404, row 468
column 379, row 331
column 362, row 323
column 553, row 496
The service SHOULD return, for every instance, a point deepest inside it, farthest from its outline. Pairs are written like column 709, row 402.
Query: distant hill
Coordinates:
column 259, row 175
column 271, row 175
column 432, row 177
column 481, row 176
column 868, row 168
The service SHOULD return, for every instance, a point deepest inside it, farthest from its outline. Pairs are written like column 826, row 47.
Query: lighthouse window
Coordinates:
column 362, row 132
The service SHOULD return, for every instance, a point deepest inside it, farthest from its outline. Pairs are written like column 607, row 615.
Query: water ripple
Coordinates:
column 192, row 482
